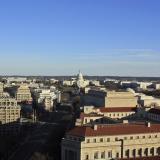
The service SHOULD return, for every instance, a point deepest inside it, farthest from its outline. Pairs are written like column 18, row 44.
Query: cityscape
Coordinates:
column 79, row 80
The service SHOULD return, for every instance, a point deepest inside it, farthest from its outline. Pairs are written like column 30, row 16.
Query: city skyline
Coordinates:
column 99, row 38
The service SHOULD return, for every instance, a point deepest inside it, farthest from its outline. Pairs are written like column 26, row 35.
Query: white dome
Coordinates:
column 80, row 76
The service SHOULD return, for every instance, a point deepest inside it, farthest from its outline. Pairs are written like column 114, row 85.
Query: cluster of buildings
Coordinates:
column 113, row 126
column 80, row 82
column 47, row 97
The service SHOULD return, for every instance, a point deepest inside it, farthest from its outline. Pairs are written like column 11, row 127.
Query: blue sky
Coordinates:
column 99, row 37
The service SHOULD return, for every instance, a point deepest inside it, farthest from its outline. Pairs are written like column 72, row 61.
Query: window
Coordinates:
column 143, row 137
column 137, row 137
column 117, row 155
column 96, row 155
column 101, row 139
column 116, row 139
column 125, row 138
column 149, row 136
column 140, row 152
column 88, row 140
column 131, row 137
column 94, row 140
column 108, row 139
column 127, row 153
column 155, row 136
column 103, row 155
column 158, row 150
column 146, row 152
column 152, row 151
column 110, row 154
column 134, row 152
column 86, row 157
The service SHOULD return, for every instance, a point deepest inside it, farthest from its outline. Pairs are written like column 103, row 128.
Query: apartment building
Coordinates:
column 9, row 110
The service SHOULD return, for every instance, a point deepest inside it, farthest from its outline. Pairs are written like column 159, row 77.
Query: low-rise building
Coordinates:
column 148, row 101
column 116, row 141
column 92, row 114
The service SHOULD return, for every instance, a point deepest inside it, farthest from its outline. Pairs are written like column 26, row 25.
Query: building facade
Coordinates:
column 106, row 142
column 110, row 99
column 23, row 94
column 9, row 110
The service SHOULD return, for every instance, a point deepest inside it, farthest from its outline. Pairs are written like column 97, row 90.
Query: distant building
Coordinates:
column 81, row 83
column 148, row 101
column 23, row 94
column 95, row 82
column 114, row 141
column 157, row 86
column 135, row 84
column 69, row 82
column 16, row 79
column 46, row 97
column 110, row 99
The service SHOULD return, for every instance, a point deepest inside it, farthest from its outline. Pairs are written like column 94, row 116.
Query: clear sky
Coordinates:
column 99, row 37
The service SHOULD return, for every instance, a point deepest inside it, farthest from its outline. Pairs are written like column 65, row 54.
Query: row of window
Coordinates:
column 116, row 138
column 128, row 153
column 118, row 114
column 102, row 155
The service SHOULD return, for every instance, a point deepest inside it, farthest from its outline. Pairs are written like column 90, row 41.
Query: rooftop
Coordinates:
column 114, row 129
column 83, row 115
column 118, row 109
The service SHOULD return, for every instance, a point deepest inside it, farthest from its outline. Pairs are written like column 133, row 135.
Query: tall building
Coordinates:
column 116, row 141
column 1, row 88
column 9, row 110
column 23, row 94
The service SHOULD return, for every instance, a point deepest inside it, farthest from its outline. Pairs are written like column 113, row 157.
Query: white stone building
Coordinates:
column 117, row 141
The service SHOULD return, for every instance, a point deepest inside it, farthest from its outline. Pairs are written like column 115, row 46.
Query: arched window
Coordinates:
column 152, row 151
column 158, row 150
column 146, row 152
column 140, row 152
column 134, row 153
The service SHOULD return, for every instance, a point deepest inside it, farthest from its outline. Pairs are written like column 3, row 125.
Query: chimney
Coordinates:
column 125, row 121
column 95, row 127
column 148, row 124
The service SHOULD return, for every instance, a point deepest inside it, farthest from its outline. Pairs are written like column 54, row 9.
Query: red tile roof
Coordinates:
column 118, row 109
column 114, row 129
column 83, row 115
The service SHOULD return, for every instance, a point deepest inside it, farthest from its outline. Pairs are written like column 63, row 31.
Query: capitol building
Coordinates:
column 80, row 82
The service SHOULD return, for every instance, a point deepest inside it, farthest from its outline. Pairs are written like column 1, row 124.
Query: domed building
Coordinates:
column 81, row 83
